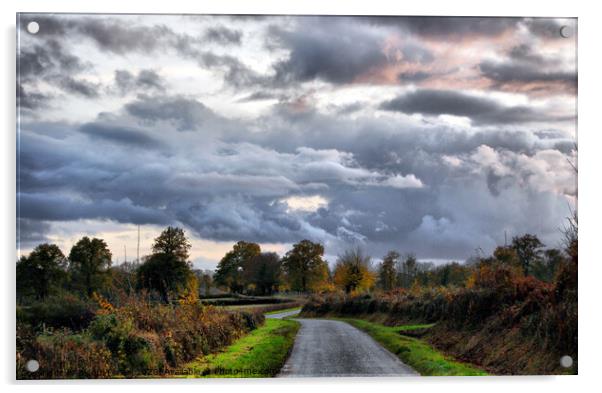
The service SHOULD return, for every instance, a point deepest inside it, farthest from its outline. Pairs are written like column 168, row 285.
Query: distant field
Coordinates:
column 266, row 308
column 283, row 310
column 246, row 300
column 263, row 304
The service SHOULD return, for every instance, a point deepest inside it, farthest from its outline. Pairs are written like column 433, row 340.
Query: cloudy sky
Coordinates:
column 430, row 135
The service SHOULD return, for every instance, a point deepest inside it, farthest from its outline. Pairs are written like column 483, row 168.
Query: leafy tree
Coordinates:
column 42, row 271
column 263, row 272
column 529, row 249
column 172, row 241
column 304, row 267
column 407, row 271
column 167, row 275
column 89, row 261
column 229, row 270
column 506, row 255
column 387, row 273
column 353, row 271
column 168, row 270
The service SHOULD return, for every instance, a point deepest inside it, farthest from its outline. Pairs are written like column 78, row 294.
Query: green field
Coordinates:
column 414, row 352
column 261, row 353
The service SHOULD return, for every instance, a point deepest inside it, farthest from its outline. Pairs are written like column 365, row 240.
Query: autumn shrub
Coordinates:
column 136, row 338
column 62, row 354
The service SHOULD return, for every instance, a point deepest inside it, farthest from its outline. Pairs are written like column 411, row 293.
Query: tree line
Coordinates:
column 303, row 269
column 167, row 273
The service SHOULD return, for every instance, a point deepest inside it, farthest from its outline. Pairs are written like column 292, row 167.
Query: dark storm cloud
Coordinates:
column 111, row 34
column 390, row 217
column 62, row 208
column 479, row 109
column 121, row 135
column 371, row 140
column 524, row 65
column 126, row 81
column 186, row 114
column 54, row 64
column 236, row 73
column 48, row 59
column 545, row 27
column 234, row 194
column 31, row 232
column 520, row 72
column 31, row 101
column 525, row 53
column 448, row 27
column 389, row 182
column 78, row 86
column 234, row 217
column 222, row 35
column 413, row 76
column 119, row 36
column 336, row 52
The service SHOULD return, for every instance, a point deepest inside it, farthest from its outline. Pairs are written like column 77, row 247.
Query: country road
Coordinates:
column 283, row 314
column 327, row 348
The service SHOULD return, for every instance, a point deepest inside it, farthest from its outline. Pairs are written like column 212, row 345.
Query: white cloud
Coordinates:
column 305, row 203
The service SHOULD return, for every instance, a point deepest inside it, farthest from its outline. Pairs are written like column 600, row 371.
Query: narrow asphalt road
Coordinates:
column 327, row 348
column 283, row 314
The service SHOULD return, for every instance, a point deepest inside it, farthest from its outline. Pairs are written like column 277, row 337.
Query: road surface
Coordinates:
column 327, row 348
column 283, row 314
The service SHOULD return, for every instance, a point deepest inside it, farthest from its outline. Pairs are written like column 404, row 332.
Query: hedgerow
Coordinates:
column 136, row 338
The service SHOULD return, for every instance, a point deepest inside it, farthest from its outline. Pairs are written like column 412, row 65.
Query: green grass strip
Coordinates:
column 261, row 353
column 414, row 352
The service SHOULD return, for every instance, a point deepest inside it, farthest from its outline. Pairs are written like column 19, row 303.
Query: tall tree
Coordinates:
column 230, row 269
column 42, row 271
column 168, row 270
column 352, row 271
column 408, row 270
column 529, row 250
column 89, row 261
column 172, row 241
column 304, row 267
column 387, row 272
column 263, row 272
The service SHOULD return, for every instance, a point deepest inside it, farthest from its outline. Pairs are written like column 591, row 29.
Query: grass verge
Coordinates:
column 261, row 353
column 414, row 352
